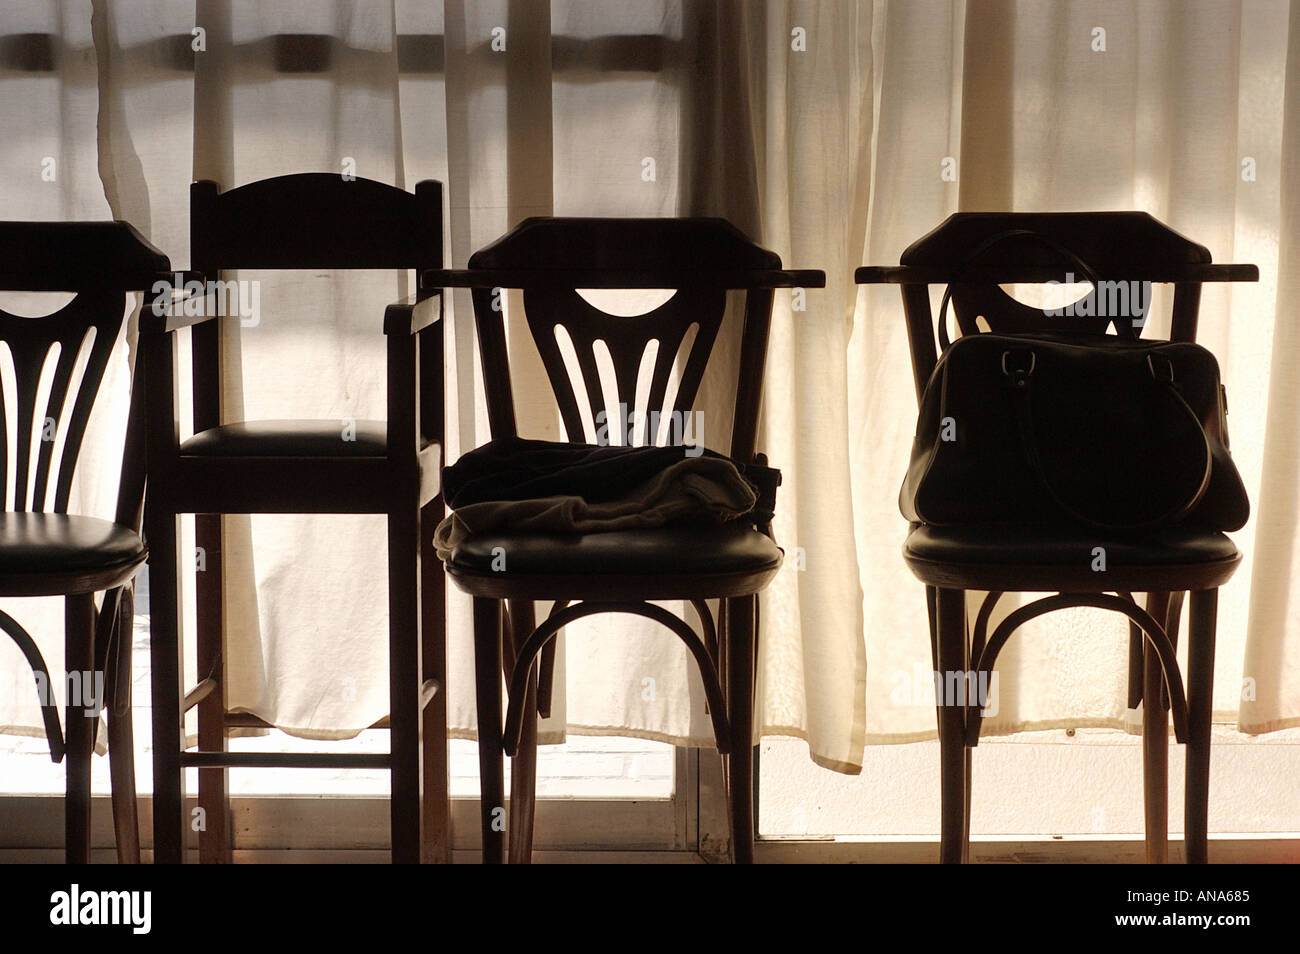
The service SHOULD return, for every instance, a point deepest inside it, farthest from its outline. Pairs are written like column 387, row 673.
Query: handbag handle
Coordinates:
column 984, row 246
column 1019, row 380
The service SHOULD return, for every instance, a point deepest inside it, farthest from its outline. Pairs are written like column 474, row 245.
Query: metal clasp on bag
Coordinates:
column 1019, row 376
column 1165, row 373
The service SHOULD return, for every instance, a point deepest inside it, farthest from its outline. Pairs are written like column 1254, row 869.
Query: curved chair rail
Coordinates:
column 987, row 656
column 49, row 710
column 544, row 633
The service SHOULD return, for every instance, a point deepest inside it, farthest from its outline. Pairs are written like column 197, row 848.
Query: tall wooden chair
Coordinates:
column 1164, row 564
column 303, row 221
column 44, row 550
column 617, row 572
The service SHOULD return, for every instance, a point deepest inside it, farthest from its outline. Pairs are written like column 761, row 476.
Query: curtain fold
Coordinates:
column 816, row 106
column 1270, row 689
column 833, row 133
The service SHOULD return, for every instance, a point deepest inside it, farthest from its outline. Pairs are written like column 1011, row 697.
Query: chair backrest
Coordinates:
column 686, row 255
column 314, row 220
column 1116, row 246
column 304, row 220
column 51, row 402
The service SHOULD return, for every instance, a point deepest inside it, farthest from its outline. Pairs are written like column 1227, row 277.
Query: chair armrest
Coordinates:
column 412, row 315
column 565, row 278
column 1032, row 274
column 163, row 312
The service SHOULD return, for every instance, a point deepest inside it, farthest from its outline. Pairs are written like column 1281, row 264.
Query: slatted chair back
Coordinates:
column 56, row 363
column 613, row 376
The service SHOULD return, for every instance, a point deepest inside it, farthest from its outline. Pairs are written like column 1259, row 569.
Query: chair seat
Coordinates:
column 54, row 553
column 658, row 563
column 290, row 438
column 1020, row 559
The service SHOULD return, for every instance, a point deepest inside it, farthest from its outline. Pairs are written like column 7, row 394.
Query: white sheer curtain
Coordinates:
column 823, row 129
column 1175, row 109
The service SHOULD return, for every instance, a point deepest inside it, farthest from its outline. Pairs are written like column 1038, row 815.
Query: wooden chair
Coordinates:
column 617, row 572
column 44, row 550
column 317, row 221
column 1120, row 246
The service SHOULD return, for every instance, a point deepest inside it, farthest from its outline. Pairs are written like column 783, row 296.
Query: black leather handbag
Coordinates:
column 1093, row 430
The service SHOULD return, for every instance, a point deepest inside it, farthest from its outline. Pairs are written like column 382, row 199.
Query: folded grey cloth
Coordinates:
column 694, row 488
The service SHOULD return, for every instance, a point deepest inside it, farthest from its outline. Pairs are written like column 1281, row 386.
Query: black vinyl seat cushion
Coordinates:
column 290, row 438
column 41, row 544
column 1017, row 546
column 731, row 548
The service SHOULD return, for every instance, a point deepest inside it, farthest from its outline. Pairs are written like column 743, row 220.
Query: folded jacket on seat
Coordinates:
column 549, row 487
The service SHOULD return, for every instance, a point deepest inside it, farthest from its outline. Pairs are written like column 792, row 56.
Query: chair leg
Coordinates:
column 215, row 845
column 436, row 821
column 487, row 684
column 966, row 762
column 931, row 599
column 121, row 735
column 1155, row 742
column 723, row 637
column 1155, row 761
column 523, row 767
column 404, row 683
column 81, row 706
column 167, row 669
column 950, row 631
column 740, row 718
column 523, row 783
column 1200, row 702
column 965, row 817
